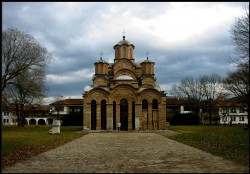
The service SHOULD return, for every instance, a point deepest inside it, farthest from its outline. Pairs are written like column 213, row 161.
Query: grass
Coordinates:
column 22, row 142
column 229, row 142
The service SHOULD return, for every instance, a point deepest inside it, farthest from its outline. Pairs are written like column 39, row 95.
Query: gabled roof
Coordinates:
column 230, row 103
column 13, row 107
column 68, row 102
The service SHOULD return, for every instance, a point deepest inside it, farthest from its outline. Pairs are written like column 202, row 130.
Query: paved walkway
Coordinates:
column 125, row 152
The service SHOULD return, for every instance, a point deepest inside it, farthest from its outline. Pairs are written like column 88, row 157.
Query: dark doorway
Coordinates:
column 124, row 114
column 133, row 115
column 93, row 115
column 114, row 115
column 41, row 122
column 103, row 115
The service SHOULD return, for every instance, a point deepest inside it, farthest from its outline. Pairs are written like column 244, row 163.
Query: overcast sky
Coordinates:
column 182, row 38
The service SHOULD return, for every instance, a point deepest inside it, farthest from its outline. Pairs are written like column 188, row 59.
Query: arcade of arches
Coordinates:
column 124, row 91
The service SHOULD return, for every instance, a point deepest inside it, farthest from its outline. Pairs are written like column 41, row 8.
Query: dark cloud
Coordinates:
column 75, row 33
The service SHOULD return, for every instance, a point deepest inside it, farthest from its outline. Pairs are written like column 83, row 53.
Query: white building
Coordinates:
column 9, row 116
column 233, row 112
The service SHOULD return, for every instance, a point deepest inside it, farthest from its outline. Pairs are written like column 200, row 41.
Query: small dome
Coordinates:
column 124, row 42
column 101, row 61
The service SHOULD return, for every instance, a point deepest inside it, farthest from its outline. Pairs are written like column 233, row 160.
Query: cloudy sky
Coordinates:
column 182, row 38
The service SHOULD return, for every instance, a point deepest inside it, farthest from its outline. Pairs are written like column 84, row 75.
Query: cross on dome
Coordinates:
column 101, row 55
column 147, row 53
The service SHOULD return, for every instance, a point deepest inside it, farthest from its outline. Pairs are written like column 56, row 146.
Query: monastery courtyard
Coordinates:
column 125, row 152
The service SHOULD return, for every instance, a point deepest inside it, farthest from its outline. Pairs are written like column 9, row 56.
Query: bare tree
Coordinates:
column 238, row 84
column 189, row 89
column 27, row 88
column 205, row 89
column 212, row 89
column 240, row 36
column 20, row 53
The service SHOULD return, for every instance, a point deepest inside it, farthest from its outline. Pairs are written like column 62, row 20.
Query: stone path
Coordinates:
column 125, row 152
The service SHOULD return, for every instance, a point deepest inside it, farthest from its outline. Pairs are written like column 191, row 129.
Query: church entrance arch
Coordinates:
column 124, row 114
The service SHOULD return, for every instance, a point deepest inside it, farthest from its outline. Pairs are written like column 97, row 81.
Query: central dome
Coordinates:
column 124, row 42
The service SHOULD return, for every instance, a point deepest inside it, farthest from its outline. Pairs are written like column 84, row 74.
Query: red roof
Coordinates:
column 26, row 108
column 68, row 102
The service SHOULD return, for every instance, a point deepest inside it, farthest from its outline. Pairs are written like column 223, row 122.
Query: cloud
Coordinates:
column 183, row 38
column 70, row 77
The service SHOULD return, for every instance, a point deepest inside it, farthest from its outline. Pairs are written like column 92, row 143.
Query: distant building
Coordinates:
column 232, row 112
column 9, row 115
column 70, row 111
column 32, row 115
column 223, row 111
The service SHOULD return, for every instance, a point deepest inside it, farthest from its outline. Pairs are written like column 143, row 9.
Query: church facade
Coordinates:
column 124, row 91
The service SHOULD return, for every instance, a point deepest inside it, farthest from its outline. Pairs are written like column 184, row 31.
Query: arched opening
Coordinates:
column 155, row 104
column 93, row 115
column 103, row 114
column 124, row 52
column 114, row 115
column 124, row 114
column 50, row 121
column 144, row 104
column 24, row 122
column 41, row 122
column 133, row 115
column 32, row 122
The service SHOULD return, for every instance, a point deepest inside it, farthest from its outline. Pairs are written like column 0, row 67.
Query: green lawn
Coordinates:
column 22, row 142
column 229, row 142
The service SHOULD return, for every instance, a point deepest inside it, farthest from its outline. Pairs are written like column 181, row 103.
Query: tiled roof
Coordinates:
column 68, row 102
column 230, row 102
column 12, row 107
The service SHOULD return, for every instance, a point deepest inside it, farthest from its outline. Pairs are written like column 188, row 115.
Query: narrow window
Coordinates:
column 144, row 104
column 124, row 52
column 155, row 104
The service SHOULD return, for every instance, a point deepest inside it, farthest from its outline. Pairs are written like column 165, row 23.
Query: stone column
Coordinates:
column 109, row 115
column 98, row 116
column 150, row 126
column 129, row 115
column 87, row 116
column 162, row 116
column 138, row 119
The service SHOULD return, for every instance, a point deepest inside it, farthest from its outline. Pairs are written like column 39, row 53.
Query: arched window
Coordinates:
column 103, row 114
column 93, row 115
column 117, row 53
column 144, row 104
column 124, row 52
column 114, row 115
column 155, row 104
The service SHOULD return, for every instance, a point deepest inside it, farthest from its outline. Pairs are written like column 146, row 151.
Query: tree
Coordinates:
column 240, row 37
column 237, row 82
column 201, row 93
column 20, row 53
column 212, row 88
column 189, row 89
column 27, row 88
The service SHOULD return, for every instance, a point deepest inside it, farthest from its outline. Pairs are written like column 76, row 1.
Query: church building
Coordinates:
column 124, row 91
